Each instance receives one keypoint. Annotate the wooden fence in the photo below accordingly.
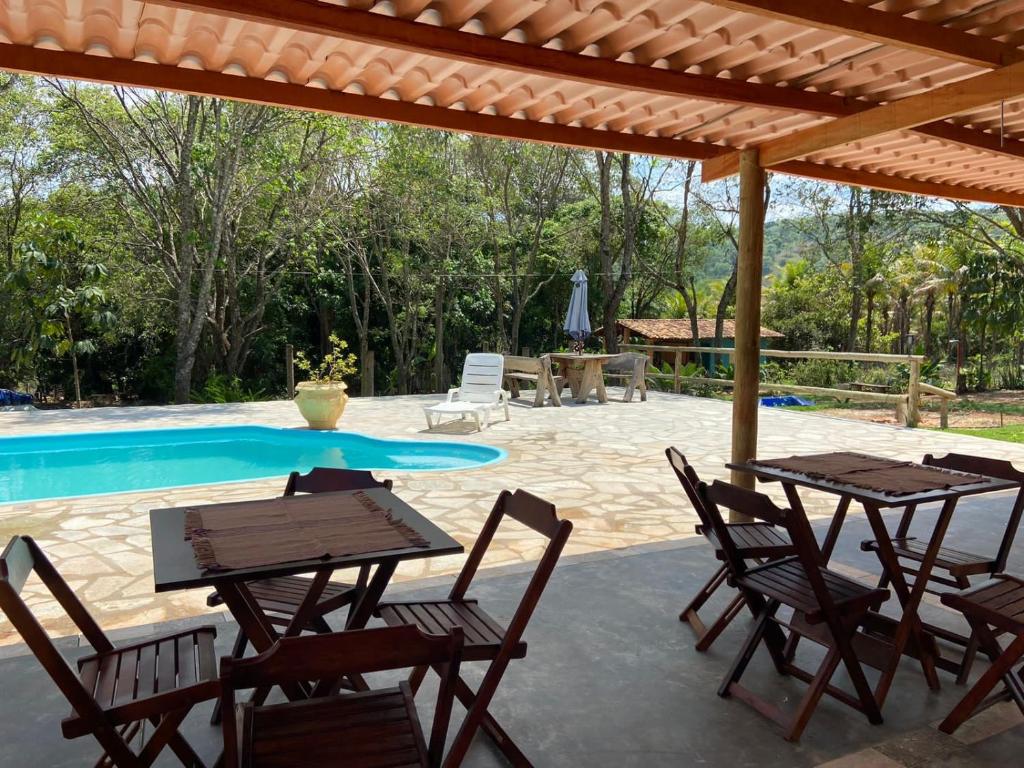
(908, 404)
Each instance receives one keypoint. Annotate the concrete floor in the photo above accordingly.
(612, 678)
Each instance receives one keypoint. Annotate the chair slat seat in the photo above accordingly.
(998, 601)
(755, 541)
(787, 581)
(285, 594)
(483, 634)
(955, 561)
(991, 607)
(375, 728)
(138, 681)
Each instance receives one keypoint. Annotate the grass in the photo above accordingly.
(1013, 433)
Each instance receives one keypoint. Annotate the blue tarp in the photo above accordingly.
(779, 402)
(10, 397)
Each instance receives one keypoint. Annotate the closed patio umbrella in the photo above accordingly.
(577, 319)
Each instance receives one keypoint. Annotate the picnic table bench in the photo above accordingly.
(537, 371)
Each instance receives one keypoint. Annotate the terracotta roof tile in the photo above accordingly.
(661, 330)
(826, 68)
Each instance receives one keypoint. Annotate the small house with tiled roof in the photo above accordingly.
(673, 332)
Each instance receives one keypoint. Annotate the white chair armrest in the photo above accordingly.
(451, 394)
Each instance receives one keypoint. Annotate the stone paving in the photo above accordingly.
(601, 464)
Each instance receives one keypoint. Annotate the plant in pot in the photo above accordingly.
(321, 398)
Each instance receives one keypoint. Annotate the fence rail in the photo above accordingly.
(908, 404)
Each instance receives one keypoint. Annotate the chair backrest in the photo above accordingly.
(688, 478)
(482, 375)
(538, 515)
(1004, 470)
(19, 559)
(519, 364)
(624, 362)
(332, 479)
(329, 657)
(758, 506)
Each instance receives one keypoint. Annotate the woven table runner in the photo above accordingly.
(873, 473)
(274, 531)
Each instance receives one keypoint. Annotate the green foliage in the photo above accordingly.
(334, 366)
(808, 306)
(220, 388)
(418, 245)
(823, 373)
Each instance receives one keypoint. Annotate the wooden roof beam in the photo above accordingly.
(847, 18)
(923, 108)
(39, 61)
(889, 183)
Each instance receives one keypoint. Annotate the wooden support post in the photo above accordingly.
(944, 413)
(678, 363)
(526, 352)
(747, 356)
(914, 394)
(289, 369)
(366, 375)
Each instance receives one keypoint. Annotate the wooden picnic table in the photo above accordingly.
(584, 373)
(907, 636)
(175, 568)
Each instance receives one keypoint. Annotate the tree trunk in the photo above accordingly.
(185, 346)
(855, 312)
(869, 322)
(74, 361)
(604, 184)
(929, 315)
(439, 328)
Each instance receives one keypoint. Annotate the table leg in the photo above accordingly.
(586, 384)
(598, 377)
(363, 610)
(834, 529)
(909, 626)
(793, 497)
(258, 628)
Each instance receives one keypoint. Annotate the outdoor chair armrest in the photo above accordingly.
(451, 394)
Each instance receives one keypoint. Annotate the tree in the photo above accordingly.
(65, 284)
(617, 253)
(186, 171)
(521, 186)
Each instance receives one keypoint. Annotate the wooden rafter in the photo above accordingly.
(929, 108)
(936, 104)
(38, 61)
(354, 24)
(848, 18)
(390, 32)
(889, 183)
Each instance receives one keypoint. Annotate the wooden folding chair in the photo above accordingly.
(280, 597)
(486, 639)
(993, 607)
(828, 609)
(958, 565)
(115, 690)
(378, 728)
(753, 541)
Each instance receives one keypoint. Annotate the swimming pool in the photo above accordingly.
(36, 467)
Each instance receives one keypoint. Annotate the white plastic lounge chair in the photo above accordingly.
(479, 394)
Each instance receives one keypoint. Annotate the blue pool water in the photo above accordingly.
(54, 466)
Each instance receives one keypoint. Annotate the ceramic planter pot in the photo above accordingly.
(321, 404)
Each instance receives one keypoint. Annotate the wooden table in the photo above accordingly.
(174, 568)
(585, 374)
(907, 635)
